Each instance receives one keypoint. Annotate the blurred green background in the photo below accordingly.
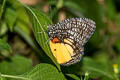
(24, 55)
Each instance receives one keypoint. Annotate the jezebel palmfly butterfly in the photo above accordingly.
(68, 37)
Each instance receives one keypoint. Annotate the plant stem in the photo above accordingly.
(11, 76)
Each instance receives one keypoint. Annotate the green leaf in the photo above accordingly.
(59, 3)
(22, 15)
(24, 31)
(4, 46)
(40, 24)
(118, 62)
(2, 78)
(15, 66)
(3, 28)
(2, 8)
(73, 76)
(45, 72)
(95, 69)
(39, 72)
(102, 57)
(20, 30)
(10, 17)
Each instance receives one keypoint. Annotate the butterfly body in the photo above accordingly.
(70, 34)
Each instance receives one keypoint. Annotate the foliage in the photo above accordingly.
(24, 47)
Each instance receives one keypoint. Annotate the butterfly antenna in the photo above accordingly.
(48, 40)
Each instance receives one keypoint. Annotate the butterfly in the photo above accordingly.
(68, 37)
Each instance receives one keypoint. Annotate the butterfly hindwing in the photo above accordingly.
(61, 52)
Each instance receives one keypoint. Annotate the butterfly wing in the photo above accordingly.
(61, 51)
(80, 29)
(73, 34)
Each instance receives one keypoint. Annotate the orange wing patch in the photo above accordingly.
(61, 51)
(55, 40)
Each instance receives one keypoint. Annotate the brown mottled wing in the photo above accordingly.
(80, 30)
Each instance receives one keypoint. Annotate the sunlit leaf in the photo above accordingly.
(22, 15)
(40, 24)
(16, 65)
(10, 17)
(95, 69)
(4, 46)
(2, 78)
(45, 72)
(3, 29)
